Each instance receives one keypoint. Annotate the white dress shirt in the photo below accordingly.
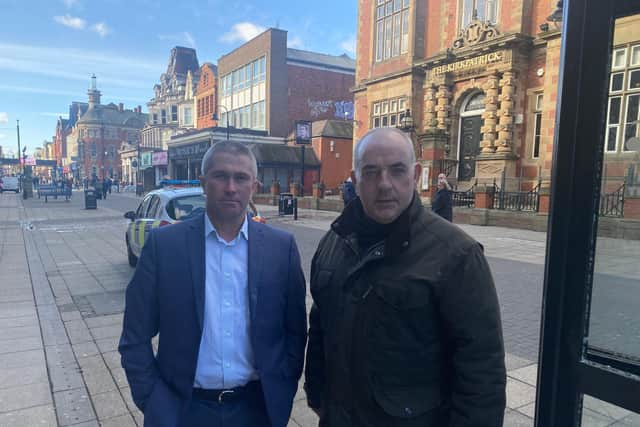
(225, 359)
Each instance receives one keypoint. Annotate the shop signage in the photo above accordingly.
(145, 160)
(196, 150)
(159, 158)
(470, 63)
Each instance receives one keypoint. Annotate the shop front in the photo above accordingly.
(184, 160)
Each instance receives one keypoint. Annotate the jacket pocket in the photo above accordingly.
(403, 295)
(408, 401)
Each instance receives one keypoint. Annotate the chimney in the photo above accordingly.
(121, 107)
(139, 109)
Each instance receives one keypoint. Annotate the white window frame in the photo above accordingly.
(537, 118)
(609, 126)
(392, 22)
(624, 59)
(467, 15)
(625, 121)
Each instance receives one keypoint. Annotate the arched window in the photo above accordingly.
(476, 102)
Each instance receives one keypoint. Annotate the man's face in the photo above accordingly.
(228, 186)
(387, 178)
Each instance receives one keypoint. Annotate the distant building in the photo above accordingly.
(207, 96)
(93, 143)
(263, 85)
(64, 128)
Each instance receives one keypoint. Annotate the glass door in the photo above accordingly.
(590, 341)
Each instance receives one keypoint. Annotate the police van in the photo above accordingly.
(159, 208)
(177, 201)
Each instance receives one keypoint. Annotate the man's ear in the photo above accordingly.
(203, 181)
(353, 177)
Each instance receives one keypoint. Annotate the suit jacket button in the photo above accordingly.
(408, 411)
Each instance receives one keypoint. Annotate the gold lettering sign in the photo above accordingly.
(466, 64)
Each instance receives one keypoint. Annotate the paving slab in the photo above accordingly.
(73, 407)
(37, 416)
(24, 396)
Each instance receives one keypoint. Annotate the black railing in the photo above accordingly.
(612, 204)
(465, 199)
(528, 201)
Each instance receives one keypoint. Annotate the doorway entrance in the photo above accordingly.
(470, 135)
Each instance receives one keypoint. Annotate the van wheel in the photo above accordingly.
(133, 260)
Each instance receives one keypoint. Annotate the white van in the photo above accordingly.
(9, 183)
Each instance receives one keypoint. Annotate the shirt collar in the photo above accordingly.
(209, 228)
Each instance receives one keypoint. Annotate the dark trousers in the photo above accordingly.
(247, 410)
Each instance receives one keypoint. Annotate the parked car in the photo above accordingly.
(10, 183)
(164, 207)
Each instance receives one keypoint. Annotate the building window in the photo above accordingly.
(623, 109)
(188, 120)
(537, 126)
(388, 113)
(163, 115)
(155, 118)
(486, 10)
(392, 28)
(174, 113)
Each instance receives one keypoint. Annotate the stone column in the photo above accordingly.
(443, 107)
(490, 115)
(505, 124)
(430, 122)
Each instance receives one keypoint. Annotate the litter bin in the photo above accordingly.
(285, 204)
(90, 200)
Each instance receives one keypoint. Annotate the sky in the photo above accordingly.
(50, 48)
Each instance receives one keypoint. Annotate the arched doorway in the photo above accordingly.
(470, 135)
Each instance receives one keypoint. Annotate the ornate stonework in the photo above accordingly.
(443, 107)
(474, 33)
(507, 103)
(430, 121)
(490, 115)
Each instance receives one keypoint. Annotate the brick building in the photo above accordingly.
(479, 80)
(63, 128)
(207, 96)
(266, 86)
(95, 139)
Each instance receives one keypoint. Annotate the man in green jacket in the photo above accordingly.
(405, 328)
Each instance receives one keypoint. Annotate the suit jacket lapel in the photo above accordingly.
(256, 254)
(196, 251)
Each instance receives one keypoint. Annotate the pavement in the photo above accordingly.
(63, 271)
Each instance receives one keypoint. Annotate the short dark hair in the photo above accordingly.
(231, 147)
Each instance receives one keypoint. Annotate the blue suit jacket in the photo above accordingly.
(166, 297)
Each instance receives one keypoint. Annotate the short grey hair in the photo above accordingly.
(364, 141)
(230, 147)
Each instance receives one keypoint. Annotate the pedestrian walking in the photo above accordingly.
(105, 187)
(441, 203)
(227, 297)
(348, 191)
(405, 326)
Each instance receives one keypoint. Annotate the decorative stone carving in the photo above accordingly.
(474, 33)
(430, 107)
(505, 129)
(490, 115)
(443, 107)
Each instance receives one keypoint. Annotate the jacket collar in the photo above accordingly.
(397, 241)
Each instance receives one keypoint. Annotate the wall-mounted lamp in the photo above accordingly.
(406, 123)
(556, 16)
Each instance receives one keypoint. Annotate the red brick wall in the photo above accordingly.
(206, 97)
(364, 39)
(313, 93)
(334, 169)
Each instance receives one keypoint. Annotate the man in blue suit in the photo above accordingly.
(226, 295)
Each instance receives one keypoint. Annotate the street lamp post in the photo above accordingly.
(216, 118)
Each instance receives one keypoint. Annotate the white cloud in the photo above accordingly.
(71, 21)
(4, 117)
(184, 38)
(242, 31)
(295, 42)
(2, 136)
(69, 3)
(78, 65)
(349, 45)
(102, 29)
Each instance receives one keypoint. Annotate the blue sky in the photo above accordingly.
(50, 48)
